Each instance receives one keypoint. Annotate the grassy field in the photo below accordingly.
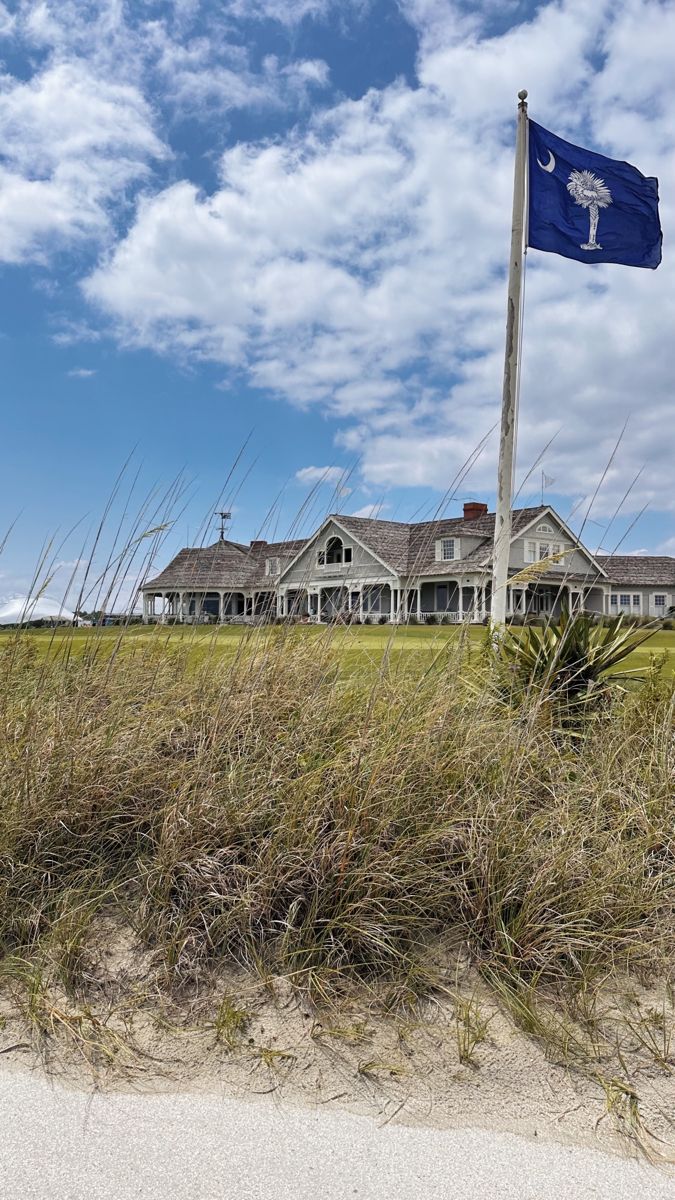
(358, 648)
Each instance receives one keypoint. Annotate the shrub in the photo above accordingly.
(569, 660)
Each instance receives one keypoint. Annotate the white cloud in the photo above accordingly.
(313, 475)
(359, 264)
(371, 510)
(71, 144)
(7, 21)
(81, 373)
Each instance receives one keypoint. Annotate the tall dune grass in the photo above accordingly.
(263, 810)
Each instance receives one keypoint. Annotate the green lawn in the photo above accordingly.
(359, 647)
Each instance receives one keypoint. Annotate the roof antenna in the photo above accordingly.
(224, 517)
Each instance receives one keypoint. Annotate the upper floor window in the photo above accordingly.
(535, 551)
(335, 552)
(448, 549)
(544, 528)
(272, 566)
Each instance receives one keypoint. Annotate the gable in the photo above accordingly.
(548, 529)
(364, 563)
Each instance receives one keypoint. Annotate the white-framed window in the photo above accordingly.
(536, 550)
(447, 549)
(659, 601)
(334, 553)
(272, 566)
(636, 601)
(614, 600)
(625, 600)
(544, 528)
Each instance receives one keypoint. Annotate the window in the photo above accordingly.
(613, 600)
(535, 551)
(272, 566)
(544, 528)
(334, 550)
(660, 601)
(625, 601)
(348, 554)
(447, 548)
(636, 601)
(321, 558)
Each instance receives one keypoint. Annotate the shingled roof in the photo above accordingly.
(643, 570)
(225, 565)
(409, 549)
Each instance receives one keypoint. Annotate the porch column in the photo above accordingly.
(146, 607)
(474, 615)
(181, 607)
(460, 600)
(419, 602)
(165, 597)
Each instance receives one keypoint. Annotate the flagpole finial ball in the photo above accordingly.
(522, 95)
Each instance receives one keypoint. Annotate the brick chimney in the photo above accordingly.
(258, 545)
(473, 510)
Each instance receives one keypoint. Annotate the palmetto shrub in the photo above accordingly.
(571, 660)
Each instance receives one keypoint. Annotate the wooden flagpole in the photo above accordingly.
(511, 385)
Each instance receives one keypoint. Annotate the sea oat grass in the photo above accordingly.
(264, 810)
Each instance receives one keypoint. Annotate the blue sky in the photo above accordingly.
(283, 225)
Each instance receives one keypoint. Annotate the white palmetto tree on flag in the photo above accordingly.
(592, 193)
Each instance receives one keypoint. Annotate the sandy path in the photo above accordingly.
(64, 1144)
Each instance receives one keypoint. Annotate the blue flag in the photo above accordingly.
(585, 206)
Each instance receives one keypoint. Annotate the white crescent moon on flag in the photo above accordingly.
(550, 165)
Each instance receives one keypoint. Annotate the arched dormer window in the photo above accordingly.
(335, 553)
(334, 550)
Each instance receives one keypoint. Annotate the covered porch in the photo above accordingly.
(207, 607)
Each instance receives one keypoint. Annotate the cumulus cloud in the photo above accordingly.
(313, 475)
(79, 135)
(71, 143)
(371, 510)
(358, 264)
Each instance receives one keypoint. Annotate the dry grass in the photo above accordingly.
(264, 811)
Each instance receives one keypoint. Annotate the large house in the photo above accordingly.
(393, 570)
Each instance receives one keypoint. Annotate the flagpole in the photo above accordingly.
(511, 385)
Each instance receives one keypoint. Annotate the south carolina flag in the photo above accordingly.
(585, 206)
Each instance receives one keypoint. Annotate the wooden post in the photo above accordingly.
(511, 382)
